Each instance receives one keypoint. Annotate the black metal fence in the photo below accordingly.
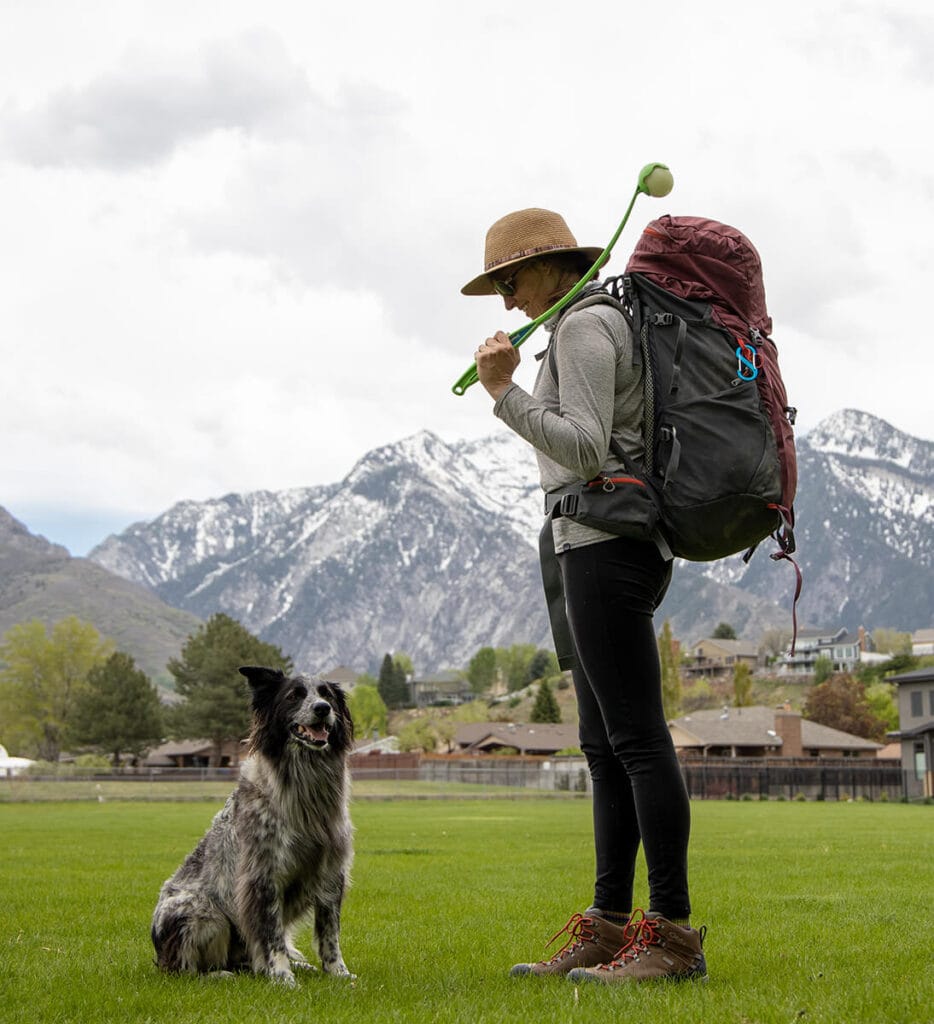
(801, 779)
(706, 779)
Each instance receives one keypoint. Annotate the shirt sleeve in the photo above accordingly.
(576, 434)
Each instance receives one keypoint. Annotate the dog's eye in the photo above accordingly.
(297, 693)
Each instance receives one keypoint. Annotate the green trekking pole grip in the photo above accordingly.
(654, 180)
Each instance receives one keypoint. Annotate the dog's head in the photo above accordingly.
(309, 713)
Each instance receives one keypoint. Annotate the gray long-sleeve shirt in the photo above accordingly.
(569, 421)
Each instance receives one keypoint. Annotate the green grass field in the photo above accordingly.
(816, 913)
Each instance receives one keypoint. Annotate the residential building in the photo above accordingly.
(343, 675)
(193, 754)
(916, 728)
(922, 642)
(716, 659)
(842, 648)
(535, 738)
(448, 686)
(763, 732)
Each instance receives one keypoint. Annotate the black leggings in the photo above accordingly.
(612, 589)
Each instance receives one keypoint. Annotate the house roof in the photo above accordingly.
(755, 727)
(445, 677)
(738, 648)
(543, 737)
(341, 674)
(923, 636)
(918, 675)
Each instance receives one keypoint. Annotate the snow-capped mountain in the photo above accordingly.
(431, 548)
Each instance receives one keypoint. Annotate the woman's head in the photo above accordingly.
(528, 253)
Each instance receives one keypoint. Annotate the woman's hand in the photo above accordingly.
(496, 359)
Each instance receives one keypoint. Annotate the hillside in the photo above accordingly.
(39, 580)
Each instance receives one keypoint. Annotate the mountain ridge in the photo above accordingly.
(431, 547)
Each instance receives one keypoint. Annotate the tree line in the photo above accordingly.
(68, 689)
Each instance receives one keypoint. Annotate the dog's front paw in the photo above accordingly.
(338, 969)
(283, 977)
(280, 971)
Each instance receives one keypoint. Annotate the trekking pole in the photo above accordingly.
(654, 180)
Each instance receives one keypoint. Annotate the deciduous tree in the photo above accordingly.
(368, 710)
(671, 673)
(724, 631)
(742, 685)
(513, 662)
(840, 702)
(44, 676)
(481, 672)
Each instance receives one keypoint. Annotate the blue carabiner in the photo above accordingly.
(746, 360)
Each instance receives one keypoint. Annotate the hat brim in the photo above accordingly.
(483, 283)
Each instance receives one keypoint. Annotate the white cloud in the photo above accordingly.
(233, 242)
(151, 103)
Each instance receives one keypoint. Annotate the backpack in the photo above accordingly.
(719, 465)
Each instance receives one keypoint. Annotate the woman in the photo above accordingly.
(611, 587)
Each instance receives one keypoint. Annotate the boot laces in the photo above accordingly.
(641, 934)
(579, 929)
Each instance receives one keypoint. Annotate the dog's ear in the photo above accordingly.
(262, 678)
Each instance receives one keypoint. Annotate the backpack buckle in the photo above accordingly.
(568, 504)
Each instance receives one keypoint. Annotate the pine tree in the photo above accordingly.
(217, 702)
(120, 712)
(545, 708)
(392, 684)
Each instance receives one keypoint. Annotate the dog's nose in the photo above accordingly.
(321, 708)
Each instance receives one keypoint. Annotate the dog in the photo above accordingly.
(278, 852)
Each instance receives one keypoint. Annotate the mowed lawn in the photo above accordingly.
(816, 913)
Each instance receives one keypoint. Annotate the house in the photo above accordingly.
(192, 754)
(763, 732)
(842, 648)
(715, 659)
(527, 738)
(916, 728)
(343, 675)
(922, 642)
(447, 686)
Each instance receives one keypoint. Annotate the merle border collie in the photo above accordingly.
(277, 852)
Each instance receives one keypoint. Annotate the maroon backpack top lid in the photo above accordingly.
(702, 259)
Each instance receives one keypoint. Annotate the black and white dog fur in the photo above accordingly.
(279, 850)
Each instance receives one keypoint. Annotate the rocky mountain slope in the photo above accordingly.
(430, 548)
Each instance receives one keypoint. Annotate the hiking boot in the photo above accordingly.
(656, 949)
(591, 940)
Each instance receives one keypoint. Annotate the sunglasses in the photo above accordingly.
(505, 286)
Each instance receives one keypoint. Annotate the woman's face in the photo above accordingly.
(534, 285)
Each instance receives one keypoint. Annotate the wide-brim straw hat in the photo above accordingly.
(521, 236)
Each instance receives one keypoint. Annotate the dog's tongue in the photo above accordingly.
(314, 733)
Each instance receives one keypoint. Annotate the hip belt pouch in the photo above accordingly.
(621, 505)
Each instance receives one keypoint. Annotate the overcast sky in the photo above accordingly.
(233, 234)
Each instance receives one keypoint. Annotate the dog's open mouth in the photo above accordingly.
(311, 735)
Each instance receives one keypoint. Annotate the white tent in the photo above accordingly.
(12, 765)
